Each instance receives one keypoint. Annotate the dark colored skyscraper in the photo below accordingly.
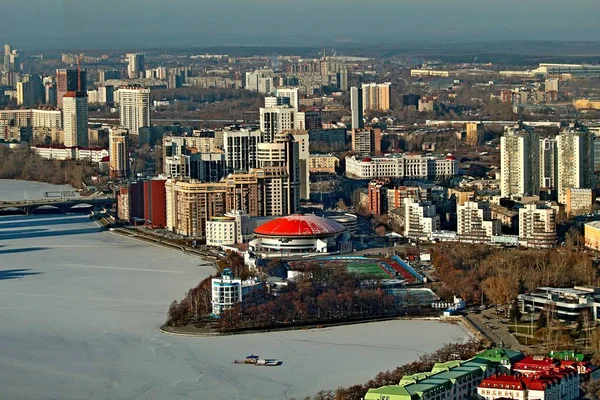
(66, 81)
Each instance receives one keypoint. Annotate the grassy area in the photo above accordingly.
(521, 329)
(370, 269)
(526, 341)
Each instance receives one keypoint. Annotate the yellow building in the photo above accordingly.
(462, 196)
(323, 163)
(587, 103)
(591, 232)
(579, 201)
(475, 133)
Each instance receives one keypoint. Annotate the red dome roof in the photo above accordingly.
(299, 225)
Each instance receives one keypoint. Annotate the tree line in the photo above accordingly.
(26, 165)
(469, 270)
(322, 293)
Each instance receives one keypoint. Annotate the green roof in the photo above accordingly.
(500, 354)
(567, 355)
(398, 392)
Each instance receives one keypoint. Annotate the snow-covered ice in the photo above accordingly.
(80, 311)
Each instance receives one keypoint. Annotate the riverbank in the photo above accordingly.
(205, 331)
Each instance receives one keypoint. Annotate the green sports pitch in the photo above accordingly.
(371, 269)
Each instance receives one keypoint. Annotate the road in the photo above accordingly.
(489, 323)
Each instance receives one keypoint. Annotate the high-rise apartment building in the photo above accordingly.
(356, 104)
(420, 219)
(291, 94)
(106, 94)
(280, 170)
(548, 164)
(537, 226)
(135, 65)
(134, 104)
(75, 116)
(118, 145)
(301, 137)
(376, 96)
(191, 203)
(276, 120)
(475, 133)
(25, 94)
(104, 75)
(240, 148)
(475, 223)
(519, 161)
(366, 142)
(68, 80)
(575, 153)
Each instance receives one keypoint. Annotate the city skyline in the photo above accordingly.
(148, 24)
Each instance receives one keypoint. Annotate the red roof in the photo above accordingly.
(299, 225)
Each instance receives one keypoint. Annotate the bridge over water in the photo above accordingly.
(62, 205)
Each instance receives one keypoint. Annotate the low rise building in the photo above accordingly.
(568, 303)
(227, 291)
(453, 380)
(94, 155)
(403, 166)
(579, 201)
(298, 234)
(591, 233)
(323, 163)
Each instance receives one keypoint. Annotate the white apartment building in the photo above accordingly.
(276, 120)
(240, 148)
(420, 219)
(135, 65)
(475, 223)
(519, 161)
(227, 291)
(291, 94)
(134, 104)
(405, 166)
(34, 118)
(537, 226)
(46, 119)
(70, 153)
(575, 154)
(75, 111)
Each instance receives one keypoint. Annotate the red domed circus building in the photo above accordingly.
(296, 235)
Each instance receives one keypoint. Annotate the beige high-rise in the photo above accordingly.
(118, 142)
(376, 96)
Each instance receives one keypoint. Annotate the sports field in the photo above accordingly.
(371, 269)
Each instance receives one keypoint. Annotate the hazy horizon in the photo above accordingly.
(117, 24)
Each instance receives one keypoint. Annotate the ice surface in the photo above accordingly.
(80, 311)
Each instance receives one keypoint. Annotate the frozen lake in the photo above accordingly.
(80, 311)
(16, 190)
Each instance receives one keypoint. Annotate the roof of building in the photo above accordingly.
(299, 225)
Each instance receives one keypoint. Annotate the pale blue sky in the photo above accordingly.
(157, 23)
